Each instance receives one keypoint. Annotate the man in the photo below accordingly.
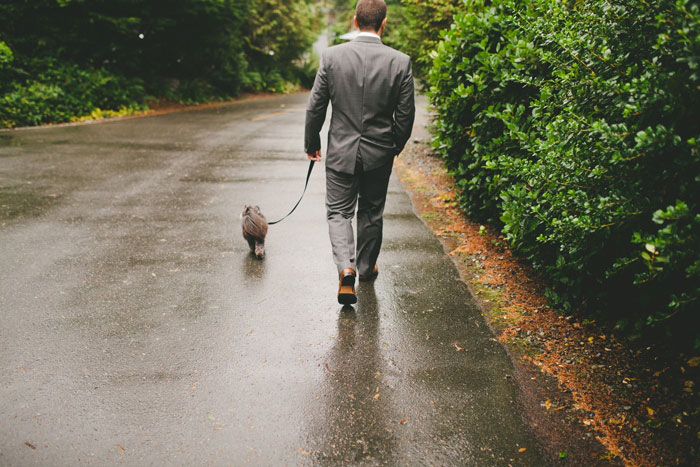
(370, 87)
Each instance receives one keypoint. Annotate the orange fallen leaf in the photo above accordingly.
(407, 419)
(30, 444)
(522, 449)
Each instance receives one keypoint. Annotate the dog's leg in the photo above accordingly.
(259, 249)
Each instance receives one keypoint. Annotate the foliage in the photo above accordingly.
(6, 55)
(578, 131)
(184, 50)
(422, 26)
(58, 92)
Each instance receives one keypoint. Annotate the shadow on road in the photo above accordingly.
(357, 420)
(253, 268)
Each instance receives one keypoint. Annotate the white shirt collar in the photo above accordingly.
(368, 34)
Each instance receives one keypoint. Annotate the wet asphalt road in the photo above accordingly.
(136, 328)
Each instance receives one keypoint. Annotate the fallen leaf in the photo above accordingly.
(30, 444)
(120, 448)
(459, 349)
(695, 361)
(651, 411)
(522, 449)
(376, 396)
(547, 404)
(407, 419)
(303, 453)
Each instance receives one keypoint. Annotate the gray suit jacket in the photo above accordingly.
(370, 87)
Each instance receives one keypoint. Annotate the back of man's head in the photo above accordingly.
(370, 14)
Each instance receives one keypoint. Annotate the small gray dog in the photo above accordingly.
(254, 226)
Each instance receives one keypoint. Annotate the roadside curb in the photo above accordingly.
(176, 108)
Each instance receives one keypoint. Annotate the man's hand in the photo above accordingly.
(316, 156)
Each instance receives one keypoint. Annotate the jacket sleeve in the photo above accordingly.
(316, 108)
(405, 112)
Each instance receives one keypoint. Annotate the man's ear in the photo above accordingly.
(354, 21)
(381, 28)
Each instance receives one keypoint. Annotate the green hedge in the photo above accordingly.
(61, 91)
(576, 126)
(421, 29)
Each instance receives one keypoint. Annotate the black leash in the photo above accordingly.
(308, 175)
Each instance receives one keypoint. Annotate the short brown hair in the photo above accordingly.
(370, 13)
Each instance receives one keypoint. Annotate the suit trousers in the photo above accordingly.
(366, 190)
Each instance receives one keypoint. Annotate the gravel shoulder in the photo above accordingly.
(591, 397)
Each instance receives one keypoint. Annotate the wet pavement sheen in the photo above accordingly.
(136, 328)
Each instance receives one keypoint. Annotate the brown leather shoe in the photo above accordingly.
(346, 287)
(372, 275)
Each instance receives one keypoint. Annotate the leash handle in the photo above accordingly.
(306, 184)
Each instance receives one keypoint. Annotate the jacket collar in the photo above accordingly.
(370, 39)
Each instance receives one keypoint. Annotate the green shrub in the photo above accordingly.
(577, 130)
(6, 58)
(6, 55)
(420, 29)
(61, 91)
